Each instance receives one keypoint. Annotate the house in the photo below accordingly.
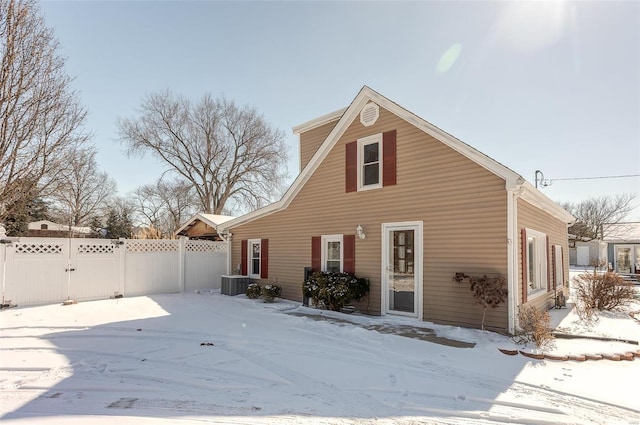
(388, 196)
(586, 253)
(46, 228)
(202, 226)
(623, 247)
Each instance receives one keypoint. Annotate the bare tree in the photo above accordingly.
(595, 217)
(40, 117)
(224, 151)
(164, 206)
(82, 191)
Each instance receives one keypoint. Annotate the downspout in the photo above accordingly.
(513, 192)
(226, 237)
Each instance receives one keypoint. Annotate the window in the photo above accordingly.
(254, 255)
(44, 227)
(535, 261)
(370, 162)
(253, 260)
(332, 255)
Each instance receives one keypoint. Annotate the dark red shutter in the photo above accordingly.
(523, 237)
(349, 254)
(243, 257)
(548, 267)
(562, 257)
(264, 258)
(555, 266)
(316, 253)
(389, 158)
(351, 167)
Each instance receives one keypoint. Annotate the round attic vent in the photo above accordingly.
(369, 114)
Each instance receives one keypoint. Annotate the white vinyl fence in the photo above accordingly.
(47, 270)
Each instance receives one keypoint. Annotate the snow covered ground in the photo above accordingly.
(210, 358)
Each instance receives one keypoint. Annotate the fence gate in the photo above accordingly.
(93, 269)
(35, 271)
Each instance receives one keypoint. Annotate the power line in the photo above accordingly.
(599, 177)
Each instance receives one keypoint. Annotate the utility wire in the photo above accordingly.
(601, 177)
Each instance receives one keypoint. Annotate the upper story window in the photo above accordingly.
(332, 253)
(370, 162)
(253, 260)
(44, 227)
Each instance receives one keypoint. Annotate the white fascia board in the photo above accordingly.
(317, 122)
(209, 219)
(186, 223)
(348, 115)
(511, 177)
(366, 94)
(540, 200)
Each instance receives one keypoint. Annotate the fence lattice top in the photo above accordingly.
(38, 248)
(150, 245)
(95, 249)
(205, 246)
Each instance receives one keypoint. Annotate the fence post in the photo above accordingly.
(122, 269)
(181, 259)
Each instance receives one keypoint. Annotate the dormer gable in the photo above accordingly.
(312, 133)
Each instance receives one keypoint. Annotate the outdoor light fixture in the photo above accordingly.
(360, 232)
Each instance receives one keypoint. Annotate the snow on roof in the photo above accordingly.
(37, 225)
(623, 232)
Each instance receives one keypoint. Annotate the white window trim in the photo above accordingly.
(331, 238)
(376, 138)
(250, 244)
(540, 270)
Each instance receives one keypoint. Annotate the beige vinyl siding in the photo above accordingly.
(311, 140)
(533, 218)
(463, 207)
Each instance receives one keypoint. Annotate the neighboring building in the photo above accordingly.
(390, 197)
(46, 228)
(202, 226)
(586, 254)
(623, 247)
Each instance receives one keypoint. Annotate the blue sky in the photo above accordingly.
(553, 86)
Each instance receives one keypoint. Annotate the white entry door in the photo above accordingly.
(402, 268)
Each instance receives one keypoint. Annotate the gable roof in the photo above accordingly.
(623, 232)
(212, 220)
(36, 225)
(348, 115)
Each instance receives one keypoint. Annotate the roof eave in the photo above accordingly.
(539, 199)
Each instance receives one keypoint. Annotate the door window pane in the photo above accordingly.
(401, 279)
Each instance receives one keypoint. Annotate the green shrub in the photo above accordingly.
(270, 293)
(334, 290)
(253, 291)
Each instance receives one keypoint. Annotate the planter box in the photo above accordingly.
(234, 285)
